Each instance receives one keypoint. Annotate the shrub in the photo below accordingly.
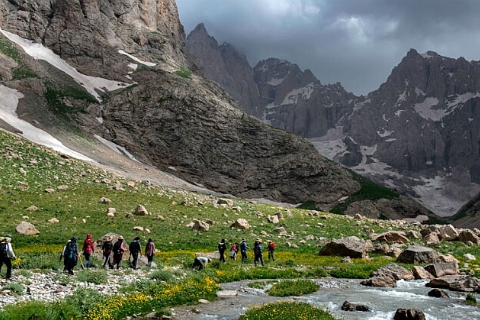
(163, 275)
(184, 73)
(84, 298)
(92, 276)
(471, 299)
(286, 310)
(293, 288)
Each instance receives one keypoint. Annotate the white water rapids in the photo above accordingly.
(383, 302)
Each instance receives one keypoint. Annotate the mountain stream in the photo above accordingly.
(383, 302)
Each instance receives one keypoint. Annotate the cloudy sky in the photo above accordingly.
(355, 42)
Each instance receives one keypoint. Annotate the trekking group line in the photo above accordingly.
(201, 262)
(112, 253)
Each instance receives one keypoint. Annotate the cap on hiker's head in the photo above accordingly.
(120, 238)
(8, 236)
(137, 238)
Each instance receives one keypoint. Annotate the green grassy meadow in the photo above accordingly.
(28, 170)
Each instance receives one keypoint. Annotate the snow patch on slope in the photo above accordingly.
(305, 92)
(424, 109)
(39, 52)
(8, 113)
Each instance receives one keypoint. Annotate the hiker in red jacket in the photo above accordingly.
(271, 249)
(88, 249)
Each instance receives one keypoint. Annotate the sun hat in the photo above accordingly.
(120, 238)
(109, 238)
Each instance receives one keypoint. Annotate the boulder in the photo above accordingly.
(111, 210)
(469, 257)
(200, 226)
(26, 228)
(441, 269)
(391, 237)
(395, 271)
(431, 238)
(105, 200)
(468, 235)
(448, 233)
(350, 246)
(462, 283)
(227, 202)
(273, 219)
(437, 293)
(53, 220)
(421, 273)
(279, 215)
(379, 282)
(137, 228)
(348, 306)
(141, 211)
(415, 254)
(409, 314)
(241, 224)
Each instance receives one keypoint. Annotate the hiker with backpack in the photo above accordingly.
(118, 250)
(258, 251)
(243, 250)
(134, 249)
(107, 248)
(201, 262)
(6, 254)
(233, 251)
(222, 246)
(88, 249)
(271, 249)
(70, 255)
(150, 252)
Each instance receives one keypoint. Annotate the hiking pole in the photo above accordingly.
(81, 262)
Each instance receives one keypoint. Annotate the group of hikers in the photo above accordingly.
(112, 252)
(201, 262)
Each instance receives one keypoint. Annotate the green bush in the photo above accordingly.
(92, 276)
(293, 288)
(163, 275)
(184, 73)
(286, 310)
(471, 299)
(84, 298)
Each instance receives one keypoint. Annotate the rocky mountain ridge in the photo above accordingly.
(158, 112)
(416, 133)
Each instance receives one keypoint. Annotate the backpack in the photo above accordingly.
(271, 246)
(69, 250)
(4, 249)
(107, 246)
(134, 247)
(243, 246)
(117, 247)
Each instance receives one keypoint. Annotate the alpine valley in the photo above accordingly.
(112, 82)
(418, 133)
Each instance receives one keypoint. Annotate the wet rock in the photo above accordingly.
(380, 282)
(227, 293)
(408, 314)
(348, 306)
(437, 293)
(464, 283)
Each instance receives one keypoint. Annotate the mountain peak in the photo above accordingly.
(200, 28)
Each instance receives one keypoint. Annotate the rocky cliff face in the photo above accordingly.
(416, 133)
(164, 115)
(226, 66)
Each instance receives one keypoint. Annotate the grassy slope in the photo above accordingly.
(22, 162)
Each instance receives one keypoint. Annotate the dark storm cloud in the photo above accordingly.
(355, 42)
